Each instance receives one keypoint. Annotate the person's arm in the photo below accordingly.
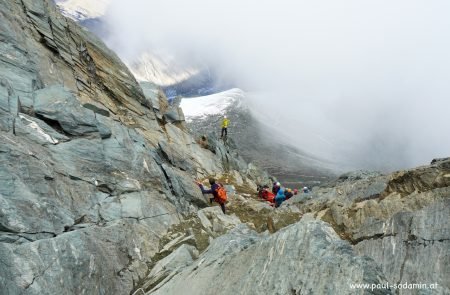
(206, 191)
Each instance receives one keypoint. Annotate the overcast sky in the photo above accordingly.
(365, 82)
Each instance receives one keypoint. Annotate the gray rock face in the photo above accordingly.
(413, 247)
(95, 260)
(305, 258)
(400, 220)
(91, 173)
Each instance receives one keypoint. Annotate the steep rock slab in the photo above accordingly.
(78, 154)
(412, 239)
(148, 208)
(305, 258)
(48, 189)
(95, 260)
(184, 191)
(181, 150)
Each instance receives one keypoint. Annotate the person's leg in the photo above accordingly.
(222, 205)
(226, 131)
(223, 130)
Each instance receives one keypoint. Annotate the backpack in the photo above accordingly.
(221, 194)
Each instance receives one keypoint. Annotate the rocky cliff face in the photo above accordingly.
(92, 171)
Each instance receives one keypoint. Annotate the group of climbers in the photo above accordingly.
(276, 197)
(281, 194)
(278, 194)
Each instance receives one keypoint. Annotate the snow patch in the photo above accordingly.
(214, 104)
(33, 125)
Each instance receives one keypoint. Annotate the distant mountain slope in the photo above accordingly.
(163, 71)
(83, 9)
(256, 141)
(192, 78)
(174, 76)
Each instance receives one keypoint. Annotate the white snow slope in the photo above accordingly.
(214, 104)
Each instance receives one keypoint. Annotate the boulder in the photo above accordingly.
(170, 265)
(214, 221)
(58, 104)
(37, 130)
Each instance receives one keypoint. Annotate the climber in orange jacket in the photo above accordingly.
(215, 190)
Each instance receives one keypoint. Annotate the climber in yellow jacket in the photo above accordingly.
(225, 123)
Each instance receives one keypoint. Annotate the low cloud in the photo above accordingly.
(360, 82)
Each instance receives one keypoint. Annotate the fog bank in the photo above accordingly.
(365, 83)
